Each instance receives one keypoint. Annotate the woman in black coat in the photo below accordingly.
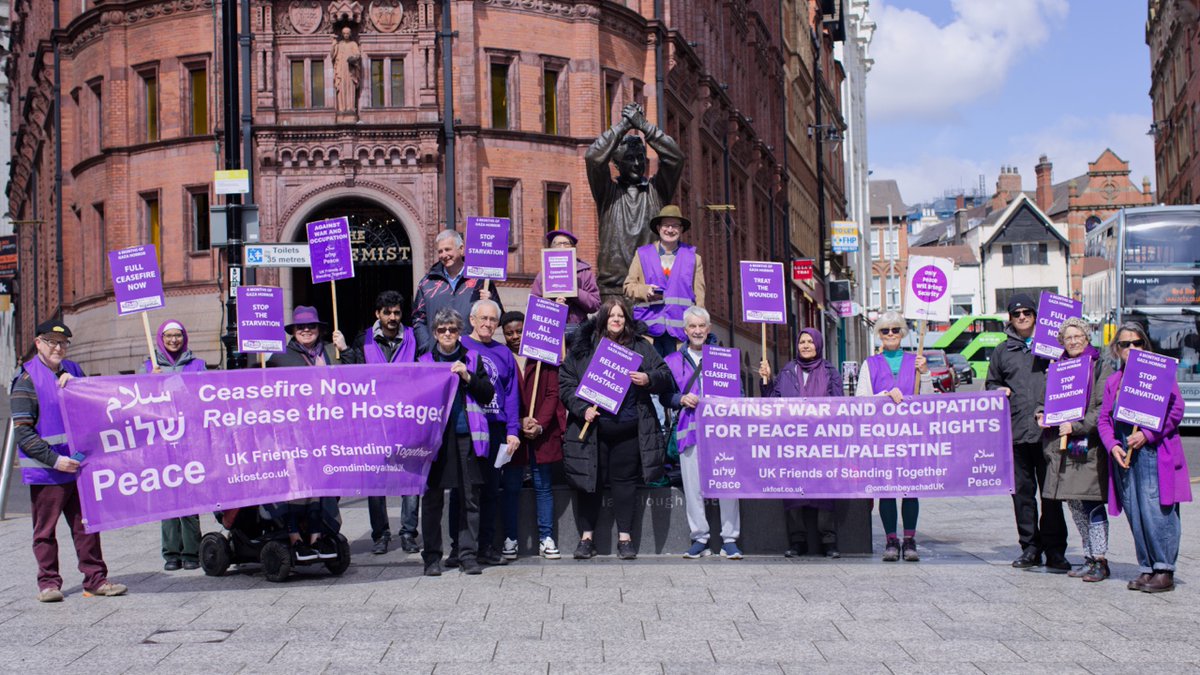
(615, 446)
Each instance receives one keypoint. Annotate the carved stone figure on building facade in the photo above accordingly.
(627, 204)
(347, 72)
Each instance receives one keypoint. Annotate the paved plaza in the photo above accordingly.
(962, 609)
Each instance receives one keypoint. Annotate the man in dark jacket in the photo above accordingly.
(1022, 377)
(446, 286)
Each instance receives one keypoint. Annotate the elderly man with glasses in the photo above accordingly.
(1022, 377)
(49, 467)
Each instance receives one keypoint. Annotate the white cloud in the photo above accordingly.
(925, 71)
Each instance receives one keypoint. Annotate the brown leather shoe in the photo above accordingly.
(1136, 584)
(1161, 582)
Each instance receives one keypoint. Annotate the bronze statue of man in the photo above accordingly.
(627, 204)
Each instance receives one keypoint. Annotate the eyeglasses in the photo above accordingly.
(1021, 313)
(444, 330)
(55, 344)
(307, 326)
(1126, 344)
(562, 243)
(487, 319)
(895, 330)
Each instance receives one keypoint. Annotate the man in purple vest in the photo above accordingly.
(665, 278)
(49, 468)
(388, 341)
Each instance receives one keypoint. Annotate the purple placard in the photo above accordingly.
(329, 250)
(485, 253)
(558, 273)
(763, 300)
(606, 379)
(949, 445)
(1052, 311)
(163, 446)
(260, 320)
(545, 325)
(1068, 388)
(1146, 389)
(720, 371)
(137, 283)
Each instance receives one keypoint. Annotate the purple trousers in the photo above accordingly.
(49, 502)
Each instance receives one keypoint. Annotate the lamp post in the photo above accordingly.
(233, 223)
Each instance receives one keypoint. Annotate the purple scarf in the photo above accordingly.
(817, 383)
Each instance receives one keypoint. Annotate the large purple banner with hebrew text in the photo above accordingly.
(163, 446)
(949, 445)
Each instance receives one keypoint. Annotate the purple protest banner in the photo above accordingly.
(763, 300)
(1145, 389)
(137, 283)
(545, 326)
(163, 446)
(329, 250)
(606, 379)
(1052, 311)
(485, 252)
(949, 445)
(1068, 387)
(260, 319)
(558, 273)
(719, 371)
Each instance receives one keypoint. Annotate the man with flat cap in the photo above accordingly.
(665, 278)
(1022, 377)
(48, 467)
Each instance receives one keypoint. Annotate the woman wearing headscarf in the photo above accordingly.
(894, 373)
(806, 375)
(1079, 474)
(180, 536)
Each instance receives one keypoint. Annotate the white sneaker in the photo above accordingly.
(549, 549)
(509, 552)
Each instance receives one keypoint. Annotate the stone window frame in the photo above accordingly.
(511, 60)
(95, 93)
(143, 71)
(144, 224)
(514, 206)
(564, 204)
(308, 60)
(389, 59)
(188, 65)
(189, 216)
(611, 92)
(559, 65)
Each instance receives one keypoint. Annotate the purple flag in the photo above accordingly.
(260, 319)
(719, 371)
(763, 299)
(558, 273)
(545, 326)
(950, 445)
(485, 252)
(329, 250)
(162, 446)
(1052, 311)
(137, 284)
(1068, 388)
(606, 379)
(1146, 389)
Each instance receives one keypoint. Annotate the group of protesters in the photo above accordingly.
(1107, 465)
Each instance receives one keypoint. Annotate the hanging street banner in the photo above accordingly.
(1052, 311)
(844, 237)
(485, 252)
(948, 445)
(720, 371)
(9, 263)
(164, 446)
(137, 283)
(1145, 393)
(545, 326)
(558, 273)
(260, 320)
(763, 300)
(329, 250)
(1068, 388)
(606, 379)
(928, 288)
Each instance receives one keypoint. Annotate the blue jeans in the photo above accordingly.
(513, 478)
(1156, 528)
(410, 512)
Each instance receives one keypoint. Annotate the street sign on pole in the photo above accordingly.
(277, 255)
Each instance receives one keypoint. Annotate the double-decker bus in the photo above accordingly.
(974, 336)
(1143, 265)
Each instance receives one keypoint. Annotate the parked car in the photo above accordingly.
(964, 369)
(944, 377)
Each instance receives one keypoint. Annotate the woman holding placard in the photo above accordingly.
(1077, 475)
(892, 373)
(621, 443)
(1149, 473)
(587, 293)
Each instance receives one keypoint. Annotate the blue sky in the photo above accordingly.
(963, 87)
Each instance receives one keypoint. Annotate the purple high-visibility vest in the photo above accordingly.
(405, 353)
(679, 293)
(681, 369)
(49, 424)
(882, 379)
(477, 422)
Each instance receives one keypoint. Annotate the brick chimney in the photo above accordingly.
(1045, 192)
(1008, 186)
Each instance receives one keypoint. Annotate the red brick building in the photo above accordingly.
(1173, 33)
(534, 83)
